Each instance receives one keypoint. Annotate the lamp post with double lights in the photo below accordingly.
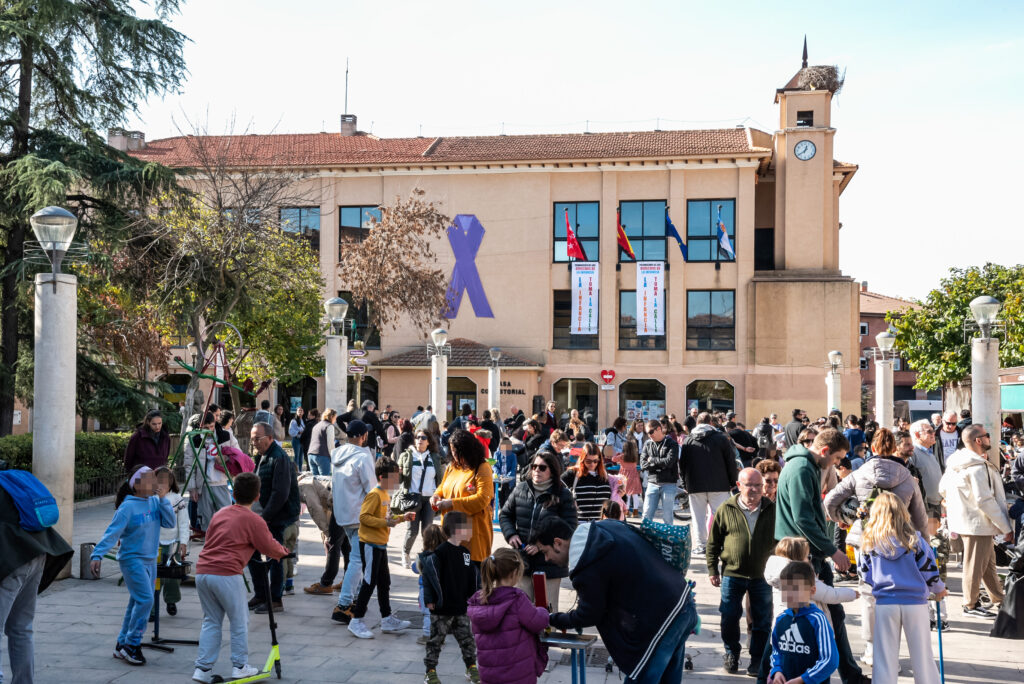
(985, 400)
(56, 316)
(494, 380)
(336, 356)
(439, 350)
(885, 359)
(833, 381)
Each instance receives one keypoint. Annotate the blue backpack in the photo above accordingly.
(37, 508)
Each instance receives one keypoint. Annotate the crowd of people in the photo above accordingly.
(779, 513)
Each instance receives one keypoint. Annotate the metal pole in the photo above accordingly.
(833, 384)
(985, 402)
(53, 434)
(335, 374)
(884, 393)
(494, 387)
(439, 385)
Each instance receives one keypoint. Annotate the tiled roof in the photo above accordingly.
(334, 149)
(874, 303)
(465, 353)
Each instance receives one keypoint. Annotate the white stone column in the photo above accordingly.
(53, 425)
(884, 393)
(833, 384)
(439, 386)
(336, 373)
(494, 388)
(985, 400)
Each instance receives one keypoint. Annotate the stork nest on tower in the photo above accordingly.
(823, 77)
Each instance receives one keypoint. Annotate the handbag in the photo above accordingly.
(411, 501)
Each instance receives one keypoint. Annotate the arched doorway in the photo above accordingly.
(579, 394)
(461, 391)
(643, 399)
(301, 393)
(710, 395)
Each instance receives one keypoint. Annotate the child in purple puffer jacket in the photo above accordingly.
(506, 624)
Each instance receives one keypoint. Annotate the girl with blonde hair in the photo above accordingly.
(899, 566)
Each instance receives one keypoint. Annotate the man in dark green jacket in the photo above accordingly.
(742, 537)
(799, 512)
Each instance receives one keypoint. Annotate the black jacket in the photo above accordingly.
(793, 429)
(616, 574)
(513, 423)
(20, 547)
(661, 460)
(371, 419)
(279, 488)
(492, 427)
(707, 461)
(522, 513)
(449, 579)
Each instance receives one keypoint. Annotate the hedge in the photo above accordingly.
(97, 454)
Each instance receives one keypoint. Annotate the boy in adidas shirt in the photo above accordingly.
(803, 644)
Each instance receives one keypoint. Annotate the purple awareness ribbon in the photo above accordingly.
(465, 237)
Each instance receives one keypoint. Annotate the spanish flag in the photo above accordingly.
(572, 246)
(621, 235)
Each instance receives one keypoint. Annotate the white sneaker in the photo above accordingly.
(405, 560)
(392, 624)
(246, 671)
(359, 629)
(202, 676)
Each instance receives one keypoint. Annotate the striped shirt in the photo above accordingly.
(590, 493)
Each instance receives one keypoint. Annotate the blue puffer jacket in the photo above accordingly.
(615, 572)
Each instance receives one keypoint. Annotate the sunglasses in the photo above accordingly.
(984, 436)
(772, 480)
(419, 437)
(539, 467)
(948, 423)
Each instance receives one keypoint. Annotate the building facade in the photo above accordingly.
(749, 332)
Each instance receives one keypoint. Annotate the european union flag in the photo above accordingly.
(671, 231)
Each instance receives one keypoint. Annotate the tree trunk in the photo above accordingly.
(13, 254)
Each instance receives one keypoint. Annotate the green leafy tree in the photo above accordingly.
(211, 266)
(931, 339)
(67, 69)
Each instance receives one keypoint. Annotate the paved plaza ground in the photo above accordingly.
(77, 622)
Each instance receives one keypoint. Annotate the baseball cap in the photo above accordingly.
(355, 428)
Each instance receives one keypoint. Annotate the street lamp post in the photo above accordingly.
(439, 350)
(833, 381)
(56, 314)
(494, 380)
(985, 403)
(885, 359)
(336, 370)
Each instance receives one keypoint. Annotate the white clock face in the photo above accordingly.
(804, 150)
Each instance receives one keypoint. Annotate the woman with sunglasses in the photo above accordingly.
(588, 481)
(421, 470)
(539, 496)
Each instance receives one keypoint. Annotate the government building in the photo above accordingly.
(745, 327)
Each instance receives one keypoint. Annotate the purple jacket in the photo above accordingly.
(506, 629)
(147, 448)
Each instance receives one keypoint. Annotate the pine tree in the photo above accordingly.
(69, 68)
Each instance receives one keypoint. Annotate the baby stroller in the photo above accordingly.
(1010, 620)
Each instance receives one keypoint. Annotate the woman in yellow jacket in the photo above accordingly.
(468, 486)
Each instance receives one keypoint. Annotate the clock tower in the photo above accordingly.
(806, 186)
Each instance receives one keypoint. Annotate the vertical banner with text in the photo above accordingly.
(650, 298)
(584, 298)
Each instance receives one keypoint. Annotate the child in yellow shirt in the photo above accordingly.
(375, 523)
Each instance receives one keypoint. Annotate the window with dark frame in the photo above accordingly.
(805, 119)
(354, 223)
(628, 339)
(644, 225)
(711, 320)
(702, 229)
(863, 363)
(357, 324)
(561, 337)
(304, 222)
(863, 328)
(584, 217)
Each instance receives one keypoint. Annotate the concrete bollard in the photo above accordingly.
(84, 558)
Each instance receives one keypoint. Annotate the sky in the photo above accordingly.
(932, 105)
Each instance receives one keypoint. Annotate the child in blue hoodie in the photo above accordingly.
(899, 566)
(136, 524)
(803, 644)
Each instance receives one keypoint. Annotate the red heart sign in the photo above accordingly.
(607, 376)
